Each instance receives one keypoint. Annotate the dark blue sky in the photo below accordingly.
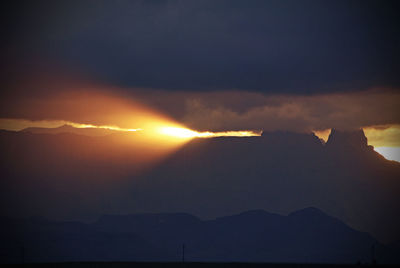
(297, 47)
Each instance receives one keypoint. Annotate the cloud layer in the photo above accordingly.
(266, 46)
(224, 110)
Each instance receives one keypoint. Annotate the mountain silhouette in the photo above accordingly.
(282, 172)
(307, 235)
(35, 240)
(76, 177)
(70, 129)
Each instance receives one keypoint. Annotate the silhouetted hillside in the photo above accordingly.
(35, 240)
(308, 235)
(69, 176)
(69, 129)
(282, 172)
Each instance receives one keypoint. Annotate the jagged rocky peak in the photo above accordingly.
(353, 138)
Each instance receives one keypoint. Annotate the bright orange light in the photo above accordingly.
(323, 134)
(78, 125)
(154, 129)
(383, 135)
(180, 132)
(19, 124)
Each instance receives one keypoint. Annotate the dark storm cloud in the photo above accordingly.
(269, 46)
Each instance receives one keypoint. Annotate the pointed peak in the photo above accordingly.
(353, 138)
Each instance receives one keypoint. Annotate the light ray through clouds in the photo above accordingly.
(78, 125)
(188, 133)
(172, 131)
(375, 135)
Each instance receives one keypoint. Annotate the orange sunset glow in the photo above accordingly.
(200, 133)
(188, 133)
(172, 130)
(383, 138)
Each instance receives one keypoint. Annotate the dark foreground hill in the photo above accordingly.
(305, 236)
(281, 172)
(66, 176)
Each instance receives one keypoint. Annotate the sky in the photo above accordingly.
(265, 46)
(208, 65)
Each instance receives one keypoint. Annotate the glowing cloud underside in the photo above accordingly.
(188, 133)
(78, 125)
(152, 129)
(177, 132)
(20, 124)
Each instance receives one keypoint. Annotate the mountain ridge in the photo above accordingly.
(241, 237)
(66, 128)
(275, 172)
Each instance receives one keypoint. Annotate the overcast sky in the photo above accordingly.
(268, 46)
(211, 65)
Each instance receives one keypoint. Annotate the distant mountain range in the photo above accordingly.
(304, 236)
(70, 129)
(71, 176)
